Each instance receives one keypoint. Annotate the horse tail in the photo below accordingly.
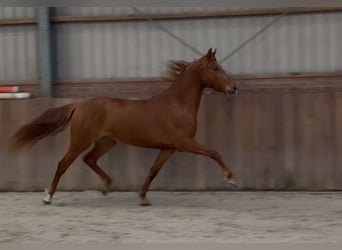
(51, 122)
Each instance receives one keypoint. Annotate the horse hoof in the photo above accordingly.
(145, 204)
(107, 186)
(232, 184)
(48, 197)
(46, 202)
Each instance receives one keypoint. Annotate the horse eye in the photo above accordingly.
(216, 68)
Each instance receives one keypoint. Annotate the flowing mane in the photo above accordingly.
(175, 69)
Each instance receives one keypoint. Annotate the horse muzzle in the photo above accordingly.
(232, 91)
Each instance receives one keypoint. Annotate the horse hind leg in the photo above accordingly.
(78, 144)
(63, 165)
(101, 147)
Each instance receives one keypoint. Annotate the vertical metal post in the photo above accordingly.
(45, 51)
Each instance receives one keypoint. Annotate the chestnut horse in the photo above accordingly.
(166, 121)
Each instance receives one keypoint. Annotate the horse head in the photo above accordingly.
(213, 75)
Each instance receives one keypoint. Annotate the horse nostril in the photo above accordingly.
(231, 91)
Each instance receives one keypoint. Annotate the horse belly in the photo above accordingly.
(145, 138)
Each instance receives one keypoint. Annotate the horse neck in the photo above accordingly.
(187, 90)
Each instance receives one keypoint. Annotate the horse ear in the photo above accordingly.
(214, 52)
(209, 53)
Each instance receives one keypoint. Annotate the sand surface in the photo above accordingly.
(237, 217)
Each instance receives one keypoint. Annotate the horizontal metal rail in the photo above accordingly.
(170, 16)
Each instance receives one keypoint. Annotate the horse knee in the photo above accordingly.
(216, 156)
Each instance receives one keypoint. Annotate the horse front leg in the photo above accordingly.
(162, 157)
(196, 148)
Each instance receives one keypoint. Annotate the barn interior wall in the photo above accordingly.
(279, 133)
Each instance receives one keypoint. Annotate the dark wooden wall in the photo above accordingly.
(282, 133)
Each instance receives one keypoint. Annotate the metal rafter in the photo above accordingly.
(159, 26)
(262, 30)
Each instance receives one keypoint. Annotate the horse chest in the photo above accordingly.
(184, 122)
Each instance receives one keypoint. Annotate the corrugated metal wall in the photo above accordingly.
(18, 46)
(18, 53)
(17, 12)
(298, 43)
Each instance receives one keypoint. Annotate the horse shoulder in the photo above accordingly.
(184, 121)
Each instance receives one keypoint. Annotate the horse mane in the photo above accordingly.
(175, 69)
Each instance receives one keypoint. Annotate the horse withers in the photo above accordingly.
(167, 121)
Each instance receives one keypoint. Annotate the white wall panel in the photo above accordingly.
(17, 12)
(18, 53)
(297, 43)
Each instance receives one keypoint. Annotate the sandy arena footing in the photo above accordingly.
(236, 217)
